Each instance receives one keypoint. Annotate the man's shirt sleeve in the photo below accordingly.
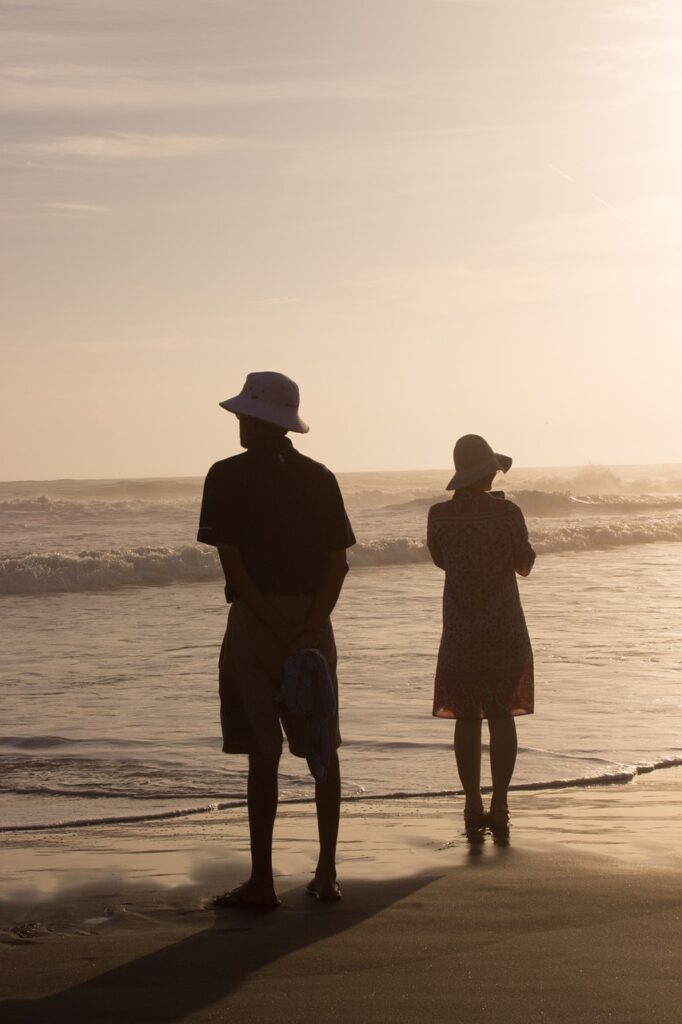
(338, 532)
(218, 520)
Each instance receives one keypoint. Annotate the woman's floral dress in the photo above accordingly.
(485, 660)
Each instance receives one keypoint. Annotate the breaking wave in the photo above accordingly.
(44, 505)
(559, 503)
(39, 573)
(533, 503)
(546, 539)
(106, 570)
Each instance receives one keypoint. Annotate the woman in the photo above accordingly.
(485, 660)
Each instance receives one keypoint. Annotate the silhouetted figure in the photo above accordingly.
(278, 521)
(485, 660)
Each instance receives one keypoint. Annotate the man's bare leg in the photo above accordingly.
(328, 806)
(262, 794)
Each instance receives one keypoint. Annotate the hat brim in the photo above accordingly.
(464, 478)
(258, 410)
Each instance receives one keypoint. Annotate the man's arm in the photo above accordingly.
(322, 606)
(325, 599)
(237, 577)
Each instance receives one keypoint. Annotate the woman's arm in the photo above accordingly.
(433, 545)
(524, 555)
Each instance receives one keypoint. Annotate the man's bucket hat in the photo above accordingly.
(474, 460)
(270, 397)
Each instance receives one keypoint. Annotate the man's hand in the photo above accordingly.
(307, 638)
(317, 621)
(284, 632)
(238, 577)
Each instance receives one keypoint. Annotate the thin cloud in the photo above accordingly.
(124, 146)
(456, 130)
(645, 12)
(71, 88)
(603, 250)
(75, 208)
(644, 236)
(653, 63)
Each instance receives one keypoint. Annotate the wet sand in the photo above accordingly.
(578, 919)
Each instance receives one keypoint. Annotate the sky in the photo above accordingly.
(437, 216)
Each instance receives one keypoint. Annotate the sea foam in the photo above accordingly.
(149, 566)
(35, 573)
(617, 775)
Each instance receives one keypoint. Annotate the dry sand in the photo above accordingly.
(578, 920)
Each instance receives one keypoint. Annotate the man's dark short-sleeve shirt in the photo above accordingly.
(281, 509)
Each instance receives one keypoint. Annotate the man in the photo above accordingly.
(278, 521)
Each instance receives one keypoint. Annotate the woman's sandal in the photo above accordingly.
(498, 823)
(474, 826)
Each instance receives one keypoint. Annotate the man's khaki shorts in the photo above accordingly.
(250, 674)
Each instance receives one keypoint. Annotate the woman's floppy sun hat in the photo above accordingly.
(270, 397)
(474, 460)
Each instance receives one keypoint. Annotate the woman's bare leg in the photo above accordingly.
(468, 758)
(503, 747)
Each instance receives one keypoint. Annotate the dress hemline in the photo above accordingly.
(449, 715)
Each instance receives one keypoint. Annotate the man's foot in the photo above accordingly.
(324, 890)
(248, 896)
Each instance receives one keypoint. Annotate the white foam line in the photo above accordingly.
(607, 779)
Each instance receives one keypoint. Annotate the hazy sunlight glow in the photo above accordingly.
(437, 217)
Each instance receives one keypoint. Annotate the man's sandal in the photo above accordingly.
(323, 896)
(235, 898)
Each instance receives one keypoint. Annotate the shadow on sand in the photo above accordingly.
(203, 968)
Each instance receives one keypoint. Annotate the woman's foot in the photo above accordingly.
(475, 825)
(497, 820)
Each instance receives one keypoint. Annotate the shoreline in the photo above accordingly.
(576, 919)
(627, 775)
(632, 820)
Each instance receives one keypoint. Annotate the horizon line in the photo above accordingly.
(346, 472)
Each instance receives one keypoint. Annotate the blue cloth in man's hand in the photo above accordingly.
(307, 691)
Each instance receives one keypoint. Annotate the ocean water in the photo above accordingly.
(113, 618)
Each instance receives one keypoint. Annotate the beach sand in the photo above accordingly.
(577, 920)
